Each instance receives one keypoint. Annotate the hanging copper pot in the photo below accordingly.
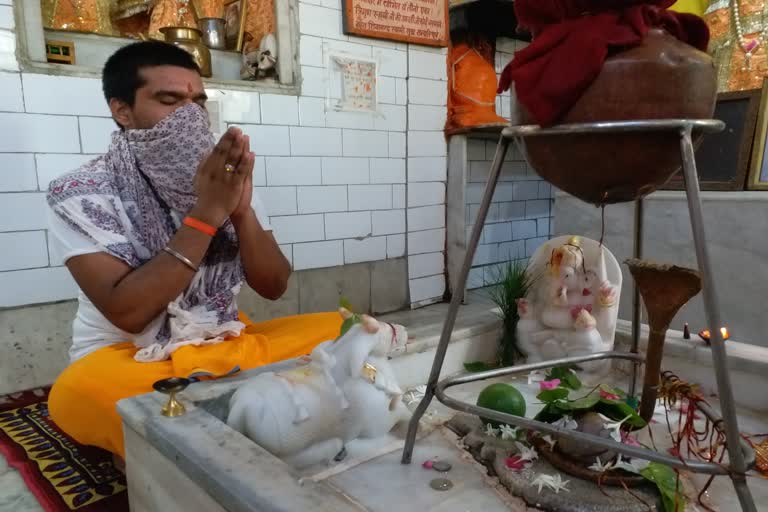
(190, 39)
(662, 78)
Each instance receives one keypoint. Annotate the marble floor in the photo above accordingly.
(14, 495)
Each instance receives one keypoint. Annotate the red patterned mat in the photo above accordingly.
(61, 473)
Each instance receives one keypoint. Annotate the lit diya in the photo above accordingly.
(704, 334)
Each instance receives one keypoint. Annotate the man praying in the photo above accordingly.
(160, 233)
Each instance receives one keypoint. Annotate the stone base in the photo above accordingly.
(582, 495)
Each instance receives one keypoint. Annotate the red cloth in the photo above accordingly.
(572, 39)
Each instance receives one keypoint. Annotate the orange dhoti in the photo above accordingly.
(84, 398)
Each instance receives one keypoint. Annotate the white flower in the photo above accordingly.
(556, 483)
(614, 427)
(551, 442)
(567, 423)
(535, 377)
(600, 467)
(490, 431)
(526, 453)
(414, 395)
(632, 465)
(508, 432)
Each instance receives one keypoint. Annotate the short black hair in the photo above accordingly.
(120, 78)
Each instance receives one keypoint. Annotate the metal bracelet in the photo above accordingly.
(181, 258)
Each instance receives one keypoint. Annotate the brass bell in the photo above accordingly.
(173, 408)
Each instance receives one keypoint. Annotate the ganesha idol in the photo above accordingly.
(572, 304)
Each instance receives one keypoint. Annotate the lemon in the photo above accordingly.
(503, 398)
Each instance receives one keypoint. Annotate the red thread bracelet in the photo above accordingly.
(200, 226)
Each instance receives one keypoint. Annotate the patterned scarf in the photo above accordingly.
(131, 201)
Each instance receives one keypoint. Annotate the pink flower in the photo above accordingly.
(515, 463)
(609, 396)
(427, 464)
(549, 384)
(626, 438)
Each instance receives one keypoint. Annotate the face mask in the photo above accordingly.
(169, 153)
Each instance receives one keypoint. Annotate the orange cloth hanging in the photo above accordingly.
(471, 89)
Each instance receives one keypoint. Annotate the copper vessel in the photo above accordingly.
(190, 39)
(662, 78)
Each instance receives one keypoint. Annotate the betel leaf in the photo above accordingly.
(550, 413)
(584, 403)
(347, 324)
(477, 366)
(613, 391)
(572, 381)
(344, 303)
(550, 395)
(617, 411)
(666, 480)
(567, 376)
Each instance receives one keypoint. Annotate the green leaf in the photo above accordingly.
(550, 395)
(585, 402)
(666, 480)
(344, 303)
(614, 391)
(477, 366)
(632, 401)
(572, 381)
(566, 375)
(618, 411)
(347, 324)
(550, 413)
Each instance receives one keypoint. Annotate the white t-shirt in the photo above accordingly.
(91, 330)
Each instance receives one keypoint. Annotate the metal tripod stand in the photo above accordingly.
(741, 456)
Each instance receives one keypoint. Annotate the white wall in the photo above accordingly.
(519, 218)
(734, 223)
(340, 187)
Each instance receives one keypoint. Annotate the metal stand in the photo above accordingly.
(741, 456)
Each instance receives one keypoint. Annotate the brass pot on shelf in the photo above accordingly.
(190, 39)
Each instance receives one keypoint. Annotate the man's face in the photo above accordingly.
(165, 89)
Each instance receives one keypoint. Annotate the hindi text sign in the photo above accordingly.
(410, 21)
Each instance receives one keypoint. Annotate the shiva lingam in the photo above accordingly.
(173, 408)
(664, 289)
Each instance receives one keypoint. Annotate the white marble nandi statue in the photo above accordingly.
(344, 390)
(572, 306)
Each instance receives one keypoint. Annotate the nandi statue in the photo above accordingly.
(573, 302)
(343, 390)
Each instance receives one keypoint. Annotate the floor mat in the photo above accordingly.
(61, 473)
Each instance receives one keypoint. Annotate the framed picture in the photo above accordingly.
(723, 159)
(234, 18)
(758, 167)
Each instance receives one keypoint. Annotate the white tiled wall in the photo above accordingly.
(427, 164)
(519, 218)
(340, 187)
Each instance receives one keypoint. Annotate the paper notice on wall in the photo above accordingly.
(358, 84)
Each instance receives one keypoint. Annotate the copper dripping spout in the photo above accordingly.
(665, 289)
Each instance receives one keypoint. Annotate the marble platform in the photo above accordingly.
(197, 463)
